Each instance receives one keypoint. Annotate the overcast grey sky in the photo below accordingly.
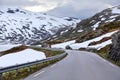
(61, 8)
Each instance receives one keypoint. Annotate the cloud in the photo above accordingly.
(40, 8)
(33, 5)
(19, 3)
(70, 11)
(82, 8)
(74, 8)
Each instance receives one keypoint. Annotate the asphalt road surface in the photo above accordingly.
(78, 65)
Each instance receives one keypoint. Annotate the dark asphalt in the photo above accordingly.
(79, 65)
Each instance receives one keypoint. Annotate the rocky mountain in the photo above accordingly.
(95, 26)
(104, 17)
(19, 26)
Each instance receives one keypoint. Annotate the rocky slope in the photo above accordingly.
(19, 26)
(95, 26)
(101, 18)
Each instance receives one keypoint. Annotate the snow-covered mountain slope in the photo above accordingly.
(25, 27)
(85, 44)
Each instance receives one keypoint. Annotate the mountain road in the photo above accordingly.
(78, 65)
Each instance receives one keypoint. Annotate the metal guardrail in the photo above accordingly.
(16, 67)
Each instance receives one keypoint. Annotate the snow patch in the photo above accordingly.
(80, 31)
(86, 43)
(64, 31)
(113, 16)
(103, 19)
(21, 57)
(63, 45)
(116, 10)
(95, 26)
(7, 47)
(111, 20)
(103, 44)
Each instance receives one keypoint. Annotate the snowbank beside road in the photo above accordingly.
(24, 56)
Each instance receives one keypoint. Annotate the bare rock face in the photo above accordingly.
(114, 53)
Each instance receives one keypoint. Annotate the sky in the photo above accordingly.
(63, 8)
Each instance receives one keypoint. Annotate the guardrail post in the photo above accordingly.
(0, 76)
(17, 71)
(36, 67)
(28, 69)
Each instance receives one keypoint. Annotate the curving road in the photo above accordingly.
(79, 65)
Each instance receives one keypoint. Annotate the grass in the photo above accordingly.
(22, 72)
(103, 52)
(100, 41)
(110, 26)
(49, 53)
(13, 50)
(54, 42)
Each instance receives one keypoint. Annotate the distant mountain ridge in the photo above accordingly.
(105, 16)
(19, 26)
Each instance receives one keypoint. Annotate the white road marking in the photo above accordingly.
(39, 73)
(53, 65)
(43, 71)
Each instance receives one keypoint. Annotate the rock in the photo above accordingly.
(114, 52)
(68, 47)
